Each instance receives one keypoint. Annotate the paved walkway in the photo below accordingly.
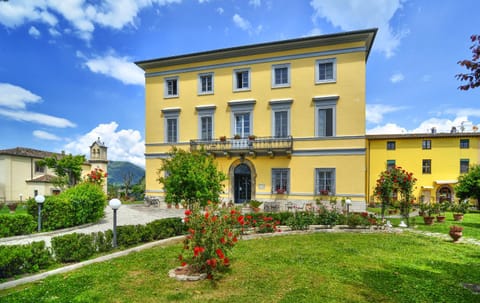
(131, 214)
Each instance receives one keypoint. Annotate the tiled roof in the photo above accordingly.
(43, 179)
(28, 152)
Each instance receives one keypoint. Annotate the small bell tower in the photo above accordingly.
(98, 158)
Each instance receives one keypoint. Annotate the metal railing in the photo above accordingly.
(265, 145)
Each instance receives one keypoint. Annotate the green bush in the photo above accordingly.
(103, 241)
(13, 225)
(84, 203)
(301, 220)
(327, 217)
(20, 259)
(73, 247)
(166, 228)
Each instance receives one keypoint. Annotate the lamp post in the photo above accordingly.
(115, 204)
(348, 202)
(39, 199)
(21, 197)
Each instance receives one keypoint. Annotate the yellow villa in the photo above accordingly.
(284, 120)
(435, 159)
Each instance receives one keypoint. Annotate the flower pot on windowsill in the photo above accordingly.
(251, 137)
(223, 138)
(236, 137)
(280, 191)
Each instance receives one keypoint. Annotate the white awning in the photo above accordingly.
(446, 181)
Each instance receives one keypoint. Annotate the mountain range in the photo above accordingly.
(117, 170)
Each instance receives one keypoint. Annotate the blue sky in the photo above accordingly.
(67, 74)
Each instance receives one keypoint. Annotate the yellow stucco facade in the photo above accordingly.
(435, 159)
(302, 99)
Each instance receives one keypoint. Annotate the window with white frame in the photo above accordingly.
(325, 116)
(325, 71)
(171, 87)
(280, 180)
(205, 83)
(171, 116)
(325, 180)
(241, 117)
(241, 79)
(205, 121)
(281, 75)
(281, 117)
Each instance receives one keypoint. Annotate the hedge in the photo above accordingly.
(21, 259)
(18, 224)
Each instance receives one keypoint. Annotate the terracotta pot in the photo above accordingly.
(428, 220)
(455, 235)
(457, 217)
(12, 207)
(440, 219)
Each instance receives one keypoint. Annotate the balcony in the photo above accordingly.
(258, 146)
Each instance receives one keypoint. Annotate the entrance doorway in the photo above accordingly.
(444, 194)
(242, 180)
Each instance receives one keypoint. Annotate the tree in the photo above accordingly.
(468, 185)
(473, 76)
(127, 182)
(190, 177)
(68, 168)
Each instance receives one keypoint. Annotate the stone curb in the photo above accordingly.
(68, 268)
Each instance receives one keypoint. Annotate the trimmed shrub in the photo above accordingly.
(20, 259)
(166, 228)
(103, 241)
(301, 220)
(84, 203)
(327, 217)
(73, 247)
(13, 225)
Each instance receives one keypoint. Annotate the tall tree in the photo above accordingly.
(127, 182)
(473, 76)
(68, 168)
(468, 185)
(191, 177)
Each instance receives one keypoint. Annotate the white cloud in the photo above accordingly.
(45, 135)
(34, 32)
(82, 15)
(123, 145)
(241, 23)
(16, 97)
(120, 68)
(255, 3)
(359, 14)
(53, 32)
(389, 128)
(27, 116)
(398, 77)
(246, 25)
(220, 11)
(375, 112)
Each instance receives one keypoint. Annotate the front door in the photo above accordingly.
(242, 183)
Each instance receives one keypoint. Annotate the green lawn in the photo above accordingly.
(320, 267)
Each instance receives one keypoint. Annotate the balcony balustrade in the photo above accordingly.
(252, 146)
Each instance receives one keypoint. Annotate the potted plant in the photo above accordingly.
(251, 137)
(440, 209)
(428, 211)
(12, 206)
(455, 232)
(255, 205)
(223, 138)
(459, 209)
(236, 136)
(280, 191)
